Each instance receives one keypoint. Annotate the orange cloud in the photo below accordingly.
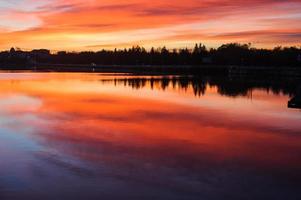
(82, 25)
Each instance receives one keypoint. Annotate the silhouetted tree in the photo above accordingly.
(227, 54)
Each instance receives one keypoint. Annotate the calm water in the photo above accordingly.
(95, 136)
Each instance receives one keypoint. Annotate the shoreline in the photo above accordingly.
(225, 70)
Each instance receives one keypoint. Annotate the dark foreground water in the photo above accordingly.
(93, 136)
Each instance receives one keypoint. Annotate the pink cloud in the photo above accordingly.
(90, 22)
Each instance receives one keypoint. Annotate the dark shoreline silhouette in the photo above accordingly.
(138, 59)
(228, 62)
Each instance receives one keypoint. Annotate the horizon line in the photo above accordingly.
(190, 47)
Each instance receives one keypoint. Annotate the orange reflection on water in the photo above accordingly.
(78, 110)
(80, 126)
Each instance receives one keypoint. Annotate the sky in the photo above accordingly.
(107, 24)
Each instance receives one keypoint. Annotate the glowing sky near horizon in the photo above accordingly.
(98, 24)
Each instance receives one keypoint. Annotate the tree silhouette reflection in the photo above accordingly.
(225, 86)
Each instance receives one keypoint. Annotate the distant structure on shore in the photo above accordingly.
(299, 58)
(295, 102)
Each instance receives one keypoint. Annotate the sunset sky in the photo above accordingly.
(97, 24)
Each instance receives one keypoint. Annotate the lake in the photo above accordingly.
(119, 136)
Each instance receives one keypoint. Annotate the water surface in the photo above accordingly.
(98, 136)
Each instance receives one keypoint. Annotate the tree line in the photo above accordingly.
(227, 54)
